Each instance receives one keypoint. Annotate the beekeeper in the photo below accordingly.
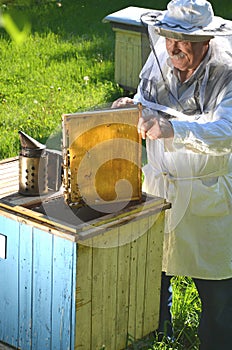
(186, 87)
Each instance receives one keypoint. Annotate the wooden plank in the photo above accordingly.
(117, 64)
(66, 234)
(83, 324)
(145, 48)
(25, 286)
(73, 300)
(127, 50)
(40, 218)
(12, 171)
(42, 290)
(91, 228)
(137, 61)
(128, 54)
(9, 175)
(142, 246)
(123, 287)
(62, 293)
(4, 346)
(9, 278)
(7, 166)
(8, 190)
(97, 299)
(153, 272)
(9, 170)
(110, 287)
(9, 160)
(8, 180)
(137, 271)
(132, 285)
(41, 310)
(104, 291)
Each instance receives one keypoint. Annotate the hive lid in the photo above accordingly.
(129, 16)
(102, 156)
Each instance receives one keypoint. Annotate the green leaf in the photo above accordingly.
(11, 28)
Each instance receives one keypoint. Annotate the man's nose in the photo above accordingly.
(173, 47)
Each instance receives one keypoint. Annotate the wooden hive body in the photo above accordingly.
(76, 273)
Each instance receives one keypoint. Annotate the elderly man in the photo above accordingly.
(186, 87)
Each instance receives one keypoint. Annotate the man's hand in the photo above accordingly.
(155, 127)
(122, 102)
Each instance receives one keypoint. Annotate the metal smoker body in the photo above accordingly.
(33, 162)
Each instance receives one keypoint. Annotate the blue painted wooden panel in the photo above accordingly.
(41, 290)
(9, 293)
(25, 286)
(37, 288)
(62, 294)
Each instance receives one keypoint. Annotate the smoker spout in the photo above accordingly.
(29, 143)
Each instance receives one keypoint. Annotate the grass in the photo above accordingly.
(54, 76)
(66, 65)
(50, 74)
(186, 310)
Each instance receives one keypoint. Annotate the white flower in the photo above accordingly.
(86, 79)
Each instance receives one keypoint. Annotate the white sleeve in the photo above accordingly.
(212, 136)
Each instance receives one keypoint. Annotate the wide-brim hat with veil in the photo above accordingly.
(188, 20)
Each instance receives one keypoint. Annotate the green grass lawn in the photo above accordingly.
(66, 65)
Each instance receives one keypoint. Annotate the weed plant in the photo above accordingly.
(186, 310)
(66, 65)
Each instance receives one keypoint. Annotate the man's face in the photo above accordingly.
(186, 55)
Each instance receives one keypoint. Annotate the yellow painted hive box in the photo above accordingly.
(132, 46)
(85, 260)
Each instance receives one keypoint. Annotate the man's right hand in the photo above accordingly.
(122, 102)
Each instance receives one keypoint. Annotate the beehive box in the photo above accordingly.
(131, 45)
(102, 156)
(74, 275)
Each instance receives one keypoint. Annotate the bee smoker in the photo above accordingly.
(33, 162)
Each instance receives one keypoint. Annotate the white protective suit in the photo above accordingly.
(194, 170)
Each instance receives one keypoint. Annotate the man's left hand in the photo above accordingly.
(155, 128)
